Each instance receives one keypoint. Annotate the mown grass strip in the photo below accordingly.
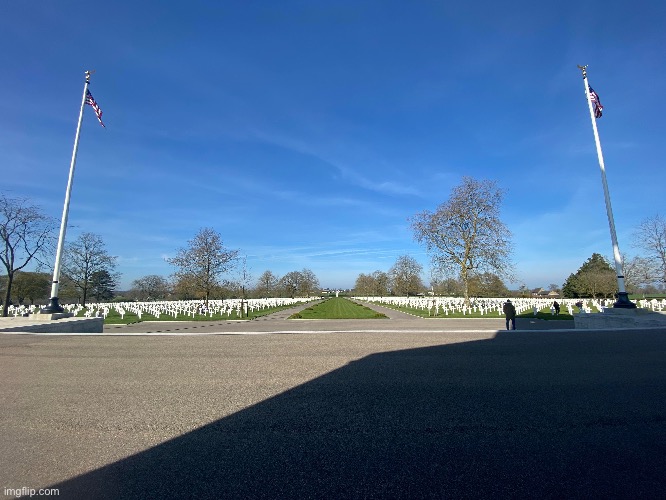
(338, 308)
(546, 315)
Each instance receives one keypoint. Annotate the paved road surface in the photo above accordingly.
(405, 413)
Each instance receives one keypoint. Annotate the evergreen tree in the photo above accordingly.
(595, 278)
(102, 284)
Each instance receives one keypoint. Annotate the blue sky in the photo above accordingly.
(307, 133)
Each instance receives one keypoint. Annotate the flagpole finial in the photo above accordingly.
(88, 74)
(583, 69)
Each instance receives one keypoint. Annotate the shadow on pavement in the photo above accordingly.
(522, 415)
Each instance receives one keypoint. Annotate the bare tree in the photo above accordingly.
(381, 283)
(67, 291)
(203, 261)
(299, 283)
(85, 257)
(465, 235)
(364, 285)
(651, 238)
(289, 283)
(185, 288)
(151, 287)
(405, 276)
(488, 285)
(639, 273)
(243, 279)
(309, 284)
(375, 284)
(267, 284)
(451, 287)
(25, 234)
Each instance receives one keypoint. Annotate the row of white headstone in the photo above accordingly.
(193, 308)
(174, 308)
(443, 306)
(652, 304)
(437, 306)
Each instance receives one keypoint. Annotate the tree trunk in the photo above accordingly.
(8, 293)
(463, 276)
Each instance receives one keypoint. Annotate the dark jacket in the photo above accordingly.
(509, 310)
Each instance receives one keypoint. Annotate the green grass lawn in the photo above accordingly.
(337, 308)
(113, 318)
(545, 314)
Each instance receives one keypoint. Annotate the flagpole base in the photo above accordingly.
(53, 307)
(623, 301)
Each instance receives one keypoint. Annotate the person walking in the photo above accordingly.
(556, 305)
(510, 314)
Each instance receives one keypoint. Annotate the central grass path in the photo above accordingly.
(337, 308)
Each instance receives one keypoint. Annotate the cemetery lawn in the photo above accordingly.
(546, 315)
(113, 318)
(338, 308)
(543, 314)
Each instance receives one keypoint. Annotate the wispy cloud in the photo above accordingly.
(349, 168)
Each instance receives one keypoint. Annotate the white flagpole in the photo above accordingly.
(623, 297)
(54, 306)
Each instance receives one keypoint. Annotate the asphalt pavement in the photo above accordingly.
(407, 411)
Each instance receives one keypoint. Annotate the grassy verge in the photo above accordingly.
(113, 318)
(337, 308)
(545, 315)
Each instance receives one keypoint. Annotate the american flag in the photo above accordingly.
(91, 100)
(596, 103)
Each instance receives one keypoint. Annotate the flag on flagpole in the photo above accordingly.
(596, 103)
(91, 100)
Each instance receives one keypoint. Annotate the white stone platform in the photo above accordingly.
(620, 318)
(44, 323)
